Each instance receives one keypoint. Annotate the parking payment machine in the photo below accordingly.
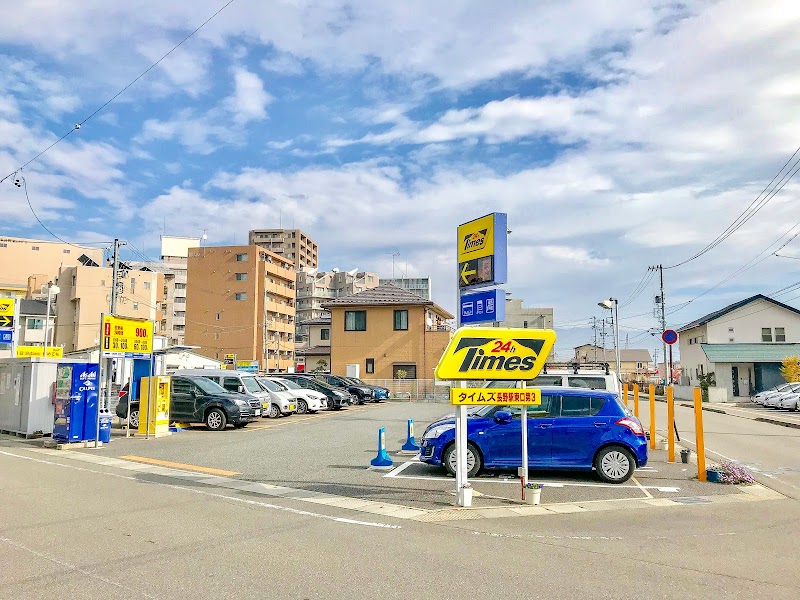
(154, 395)
(75, 401)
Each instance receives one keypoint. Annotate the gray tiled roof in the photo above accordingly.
(384, 294)
(313, 351)
(731, 307)
(36, 307)
(321, 320)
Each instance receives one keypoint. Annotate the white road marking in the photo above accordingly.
(641, 487)
(295, 511)
(400, 469)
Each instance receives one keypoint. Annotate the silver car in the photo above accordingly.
(774, 400)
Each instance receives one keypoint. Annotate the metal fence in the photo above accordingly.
(418, 390)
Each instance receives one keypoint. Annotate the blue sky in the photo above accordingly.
(615, 135)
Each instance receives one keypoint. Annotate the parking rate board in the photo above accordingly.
(128, 338)
(482, 251)
(492, 353)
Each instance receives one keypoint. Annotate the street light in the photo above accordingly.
(612, 304)
(51, 290)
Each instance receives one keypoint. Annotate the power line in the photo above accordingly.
(752, 209)
(119, 93)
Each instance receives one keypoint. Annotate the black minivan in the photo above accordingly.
(195, 399)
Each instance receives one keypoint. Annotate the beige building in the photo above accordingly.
(390, 332)
(241, 300)
(315, 288)
(634, 363)
(85, 294)
(28, 264)
(315, 354)
(525, 317)
(288, 243)
(174, 260)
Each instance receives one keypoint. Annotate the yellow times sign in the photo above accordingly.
(476, 239)
(130, 338)
(7, 306)
(38, 352)
(481, 396)
(493, 353)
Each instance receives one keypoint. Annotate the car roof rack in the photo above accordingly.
(575, 366)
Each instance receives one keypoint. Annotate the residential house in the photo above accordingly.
(634, 363)
(316, 354)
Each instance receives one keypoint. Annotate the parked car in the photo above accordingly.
(195, 399)
(760, 397)
(790, 401)
(272, 405)
(590, 376)
(361, 392)
(572, 429)
(378, 392)
(337, 397)
(307, 401)
(775, 399)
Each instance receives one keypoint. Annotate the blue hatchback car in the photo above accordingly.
(572, 429)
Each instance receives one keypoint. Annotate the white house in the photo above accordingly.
(742, 344)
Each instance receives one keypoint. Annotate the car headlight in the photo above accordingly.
(241, 402)
(434, 433)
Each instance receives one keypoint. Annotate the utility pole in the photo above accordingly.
(115, 275)
(594, 331)
(660, 300)
(603, 336)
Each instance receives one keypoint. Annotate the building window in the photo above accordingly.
(66, 251)
(147, 285)
(35, 324)
(34, 247)
(180, 300)
(404, 371)
(135, 306)
(3, 245)
(133, 285)
(180, 286)
(241, 276)
(780, 334)
(325, 334)
(730, 340)
(241, 295)
(766, 334)
(730, 329)
(219, 316)
(524, 324)
(400, 320)
(355, 320)
(370, 365)
(241, 257)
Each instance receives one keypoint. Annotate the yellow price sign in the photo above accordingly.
(482, 396)
(131, 338)
(493, 353)
(38, 352)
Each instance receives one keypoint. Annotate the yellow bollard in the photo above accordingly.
(625, 393)
(670, 425)
(652, 417)
(636, 401)
(698, 425)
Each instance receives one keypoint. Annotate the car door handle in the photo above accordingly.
(545, 425)
(599, 424)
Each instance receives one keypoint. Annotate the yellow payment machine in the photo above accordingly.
(154, 394)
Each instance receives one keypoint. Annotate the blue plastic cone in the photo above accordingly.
(411, 444)
(382, 460)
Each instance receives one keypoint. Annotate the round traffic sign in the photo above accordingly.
(670, 336)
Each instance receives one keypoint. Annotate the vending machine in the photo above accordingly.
(75, 402)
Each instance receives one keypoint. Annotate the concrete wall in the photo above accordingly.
(715, 394)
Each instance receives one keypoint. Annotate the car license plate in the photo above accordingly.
(258, 412)
(292, 407)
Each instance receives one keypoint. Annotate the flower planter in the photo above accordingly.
(714, 475)
(533, 496)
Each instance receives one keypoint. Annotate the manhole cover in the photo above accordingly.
(692, 500)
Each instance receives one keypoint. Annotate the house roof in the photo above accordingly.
(385, 295)
(712, 316)
(313, 351)
(749, 353)
(609, 356)
(321, 320)
(36, 307)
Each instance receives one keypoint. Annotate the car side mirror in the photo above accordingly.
(240, 389)
(193, 393)
(503, 416)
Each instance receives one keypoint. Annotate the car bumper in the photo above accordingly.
(430, 452)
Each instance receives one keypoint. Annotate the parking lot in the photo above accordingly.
(326, 456)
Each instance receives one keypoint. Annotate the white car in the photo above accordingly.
(774, 400)
(307, 401)
(590, 376)
(790, 401)
(761, 397)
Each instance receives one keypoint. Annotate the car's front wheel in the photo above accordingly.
(615, 464)
(216, 419)
(274, 411)
(474, 462)
(302, 407)
(135, 418)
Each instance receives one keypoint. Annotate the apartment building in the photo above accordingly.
(419, 285)
(241, 300)
(22, 259)
(174, 260)
(315, 287)
(85, 294)
(292, 244)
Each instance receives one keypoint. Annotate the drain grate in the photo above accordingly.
(692, 500)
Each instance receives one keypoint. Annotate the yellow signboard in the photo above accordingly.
(38, 352)
(494, 353)
(481, 396)
(154, 405)
(7, 312)
(476, 239)
(125, 337)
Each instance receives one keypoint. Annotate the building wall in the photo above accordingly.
(388, 347)
(258, 327)
(85, 294)
(419, 285)
(292, 244)
(174, 258)
(20, 258)
(315, 335)
(748, 320)
(692, 355)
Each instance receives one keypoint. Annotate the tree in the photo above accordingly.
(791, 369)
(707, 381)
(322, 365)
(401, 373)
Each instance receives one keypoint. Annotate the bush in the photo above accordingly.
(734, 473)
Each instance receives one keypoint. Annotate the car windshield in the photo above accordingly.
(209, 387)
(288, 383)
(272, 386)
(251, 385)
(356, 381)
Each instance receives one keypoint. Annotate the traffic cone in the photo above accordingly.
(382, 461)
(411, 445)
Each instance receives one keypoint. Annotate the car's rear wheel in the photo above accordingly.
(615, 464)
(135, 418)
(302, 407)
(216, 419)
(474, 462)
(274, 411)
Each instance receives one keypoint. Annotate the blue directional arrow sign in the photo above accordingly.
(480, 307)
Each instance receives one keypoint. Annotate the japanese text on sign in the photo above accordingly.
(127, 337)
(481, 396)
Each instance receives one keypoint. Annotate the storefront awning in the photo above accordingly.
(749, 353)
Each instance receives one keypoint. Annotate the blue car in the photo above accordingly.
(572, 429)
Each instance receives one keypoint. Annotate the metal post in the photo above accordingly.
(670, 428)
(636, 400)
(667, 374)
(524, 423)
(699, 441)
(616, 338)
(17, 331)
(461, 416)
(625, 393)
(47, 317)
(652, 391)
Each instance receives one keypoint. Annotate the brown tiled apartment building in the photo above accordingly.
(288, 243)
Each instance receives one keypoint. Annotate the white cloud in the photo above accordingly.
(284, 64)
(249, 100)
